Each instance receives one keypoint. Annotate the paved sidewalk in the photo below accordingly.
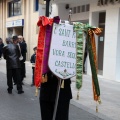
(84, 108)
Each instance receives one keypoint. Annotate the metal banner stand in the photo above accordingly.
(57, 98)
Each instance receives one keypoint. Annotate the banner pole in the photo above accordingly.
(47, 7)
(57, 98)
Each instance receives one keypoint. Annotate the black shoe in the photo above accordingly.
(10, 91)
(20, 92)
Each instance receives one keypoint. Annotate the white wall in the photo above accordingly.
(82, 15)
(54, 10)
(62, 11)
(118, 52)
(111, 39)
(110, 43)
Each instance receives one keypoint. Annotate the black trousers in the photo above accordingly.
(16, 74)
(22, 70)
(85, 56)
(0, 55)
(47, 109)
(33, 69)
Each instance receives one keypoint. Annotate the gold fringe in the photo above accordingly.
(36, 92)
(96, 108)
(78, 97)
(44, 78)
(99, 100)
(62, 84)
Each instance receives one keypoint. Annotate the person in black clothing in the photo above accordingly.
(11, 53)
(48, 97)
(23, 47)
(85, 56)
(32, 60)
(1, 47)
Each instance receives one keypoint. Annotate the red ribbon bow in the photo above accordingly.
(43, 22)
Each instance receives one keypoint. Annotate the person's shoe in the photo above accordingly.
(20, 92)
(10, 91)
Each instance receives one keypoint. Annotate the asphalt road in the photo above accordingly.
(26, 106)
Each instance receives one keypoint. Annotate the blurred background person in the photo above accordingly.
(23, 47)
(11, 53)
(1, 47)
(32, 60)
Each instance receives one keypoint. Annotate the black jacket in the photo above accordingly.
(1, 47)
(33, 58)
(11, 53)
(23, 47)
(48, 89)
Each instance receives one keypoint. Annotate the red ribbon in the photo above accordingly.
(42, 23)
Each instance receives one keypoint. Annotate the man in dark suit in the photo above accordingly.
(11, 53)
(48, 92)
(23, 47)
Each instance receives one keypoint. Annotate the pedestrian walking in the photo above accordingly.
(32, 60)
(11, 53)
(1, 47)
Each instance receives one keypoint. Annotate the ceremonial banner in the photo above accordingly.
(62, 56)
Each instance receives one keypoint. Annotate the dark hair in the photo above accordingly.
(35, 48)
(8, 40)
(15, 38)
(0, 38)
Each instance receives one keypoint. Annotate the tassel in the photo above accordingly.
(78, 95)
(99, 100)
(96, 108)
(46, 78)
(36, 92)
(62, 84)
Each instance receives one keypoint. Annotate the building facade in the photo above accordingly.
(19, 17)
(104, 14)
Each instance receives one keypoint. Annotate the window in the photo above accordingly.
(36, 5)
(14, 8)
(78, 9)
(74, 10)
(83, 8)
(87, 7)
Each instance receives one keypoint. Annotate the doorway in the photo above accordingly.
(18, 30)
(102, 16)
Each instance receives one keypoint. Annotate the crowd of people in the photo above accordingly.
(14, 52)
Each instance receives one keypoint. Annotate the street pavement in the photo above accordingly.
(26, 106)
